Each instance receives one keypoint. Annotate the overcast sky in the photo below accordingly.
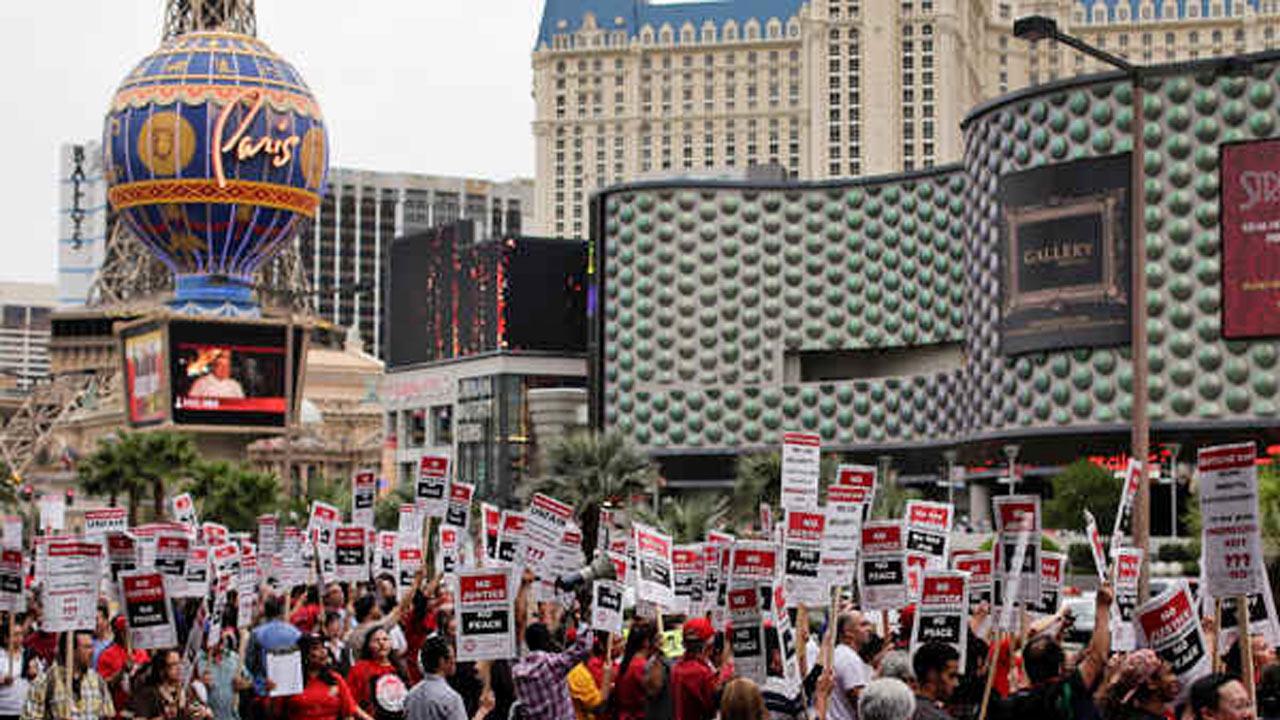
(431, 86)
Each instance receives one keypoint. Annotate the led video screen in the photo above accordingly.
(229, 374)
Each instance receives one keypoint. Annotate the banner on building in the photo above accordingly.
(1250, 227)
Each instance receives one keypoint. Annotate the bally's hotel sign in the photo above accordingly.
(1064, 261)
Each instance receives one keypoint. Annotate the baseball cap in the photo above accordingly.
(699, 628)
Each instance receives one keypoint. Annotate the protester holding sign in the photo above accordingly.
(70, 688)
(377, 682)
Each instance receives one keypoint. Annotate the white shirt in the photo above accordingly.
(12, 695)
(850, 673)
(213, 387)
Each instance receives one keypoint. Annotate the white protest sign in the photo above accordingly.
(12, 531)
(432, 485)
(942, 615)
(1128, 567)
(748, 633)
(787, 683)
(917, 563)
(858, 482)
(322, 523)
(753, 563)
(71, 586)
(491, 517)
(122, 553)
(689, 580)
(293, 569)
(53, 512)
(173, 550)
(1231, 538)
(146, 609)
(197, 579)
(929, 530)
(486, 614)
(183, 509)
(364, 493)
(545, 522)
(98, 523)
(213, 533)
(1008, 582)
(980, 566)
(882, 575)
(802, 557)
(1017, 520)
(1128, 491)
(801, 463)
(386, 562)
(458, 511)
(268, 535)
(351, 561)
(1095, 545)
(410, 523)
(1261, 609)
(606, 606)
(408, 562)
(449, 558)
(1053, 570)
(843, 535)
(11, 585)
(1170, 625)
(511, 537)
(654, 581)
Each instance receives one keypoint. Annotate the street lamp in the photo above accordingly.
(950, 457)
(1039, 27)
(1011, 453)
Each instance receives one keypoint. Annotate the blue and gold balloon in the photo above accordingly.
(214, 150)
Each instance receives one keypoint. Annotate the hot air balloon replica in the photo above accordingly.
(214, 150)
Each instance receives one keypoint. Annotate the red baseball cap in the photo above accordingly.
(699, 628)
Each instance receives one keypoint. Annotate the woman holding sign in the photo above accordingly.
(324, 695)
(377, 682)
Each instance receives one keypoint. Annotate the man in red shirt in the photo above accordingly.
(695, 684)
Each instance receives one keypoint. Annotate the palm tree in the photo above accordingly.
(759, 480)
(688, 517)
(588, 470)
(233, 494)
(336, 492)
(135, 462)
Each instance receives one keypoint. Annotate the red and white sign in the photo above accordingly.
(184, 510)
(879, 536)
(883, 566)
(1095, 545)
(511, 537)
(408, 562)
(98, 523)
(146, 609)
(12, 598)
(687, 563)
(486, 615)
(1231, 535)
(351, 561)
(71, 586)
(213, 533)
(843, 533)
(364, 493)
(654, 575)
(268, 534)
(433, 485)
(857, 482)
(173, 552)
(12, 531)
(1128, 492)
(458, 512)
(1018, 530)
(1128, 567)
(801, 465)
(1170, 625)
(1053, 570)
(492, 518)
(449, 559)
(197, 584)
(1250, 227)
(322, 523)
(929, 530)
(979, 565)
(803, 541)
(747, 638)
(753, 562)
(942, 614)
(545, 522)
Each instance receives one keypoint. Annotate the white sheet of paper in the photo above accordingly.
(285, 670)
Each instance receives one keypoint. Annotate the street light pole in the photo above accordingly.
(950, 457)
(1174, 450)
(1039, 27)
(1011, 452)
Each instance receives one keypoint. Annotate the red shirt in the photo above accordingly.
(361, 678)
(320, 701)
(305, 617)
(693, 689)
(595, 666)
(628, 691)
(112, 661)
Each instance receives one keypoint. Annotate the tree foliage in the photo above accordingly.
(386, 513)
(233, 494)
(1081, 486)
(688, 517)
(588, 470)
(296, 509)
(134, 463)
(759, 479)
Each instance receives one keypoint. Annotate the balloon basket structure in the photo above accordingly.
(209, 296)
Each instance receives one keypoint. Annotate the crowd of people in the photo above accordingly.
(371, 652)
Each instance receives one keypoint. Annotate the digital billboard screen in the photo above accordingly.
(230, 373)
(146, 375)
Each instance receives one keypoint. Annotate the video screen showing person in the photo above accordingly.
(228, 374)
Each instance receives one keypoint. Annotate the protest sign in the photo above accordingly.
(458, 512)
(486, 614)
(146, 609)
(351, 562)
(802, 557)
(449, 559)
(1017, 520)
(917, 562)
(843, 534)
(720, 545)
(53, 512)
(408, 562)
(747, 638)
(491, 516)
(212, 533)
(172, 553)
(410, 523)
(929, 530)
(686, 563)
(246, 588)
(606, 606)
(511, 533)
(268, 535)
(857, 481)
(225, 561)
(294, 568)
(1261, 609)
(882, 571)
(71, 586)
(801, 463)
(386, 562)
(545, 522)
(183, 509)
(942, 615)
(12, 531)
(322, 523)
(1095, 545)
(98, 523)
(654, 581)
(11, 581)
(980, 567)
(1169, 624)
(122, 553)
(364, 492)
(1053, 568)
(1128, 491)
(1231, 537)
(197, 578)
(433, 485)
(1008, 584)
(784, 681)
(1128, 567)
(753, 563)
